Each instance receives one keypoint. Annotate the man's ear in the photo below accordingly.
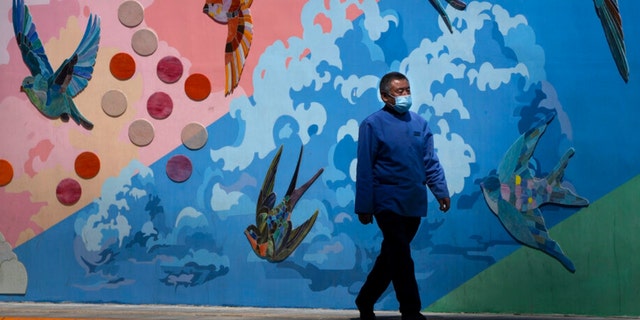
(386, 97)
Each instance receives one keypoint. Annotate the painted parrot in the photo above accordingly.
(515, 194)
(609, 15)
(272, 237)
(456, 4)
(52, 92)
(236, 15)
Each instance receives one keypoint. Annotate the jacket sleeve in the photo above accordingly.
(364, 169)
(434, 173)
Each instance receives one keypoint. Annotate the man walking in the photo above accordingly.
(396, 160)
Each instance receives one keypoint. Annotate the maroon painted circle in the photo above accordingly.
(68, 191)
(179, 168)
(159, 105)
(169, 69)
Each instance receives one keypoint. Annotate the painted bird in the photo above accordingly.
(456, 4)
(236, 15)
(515, 194)
(272, 237)
(609, 15)
(52, 92)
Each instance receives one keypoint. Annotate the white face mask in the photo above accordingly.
(403, 103)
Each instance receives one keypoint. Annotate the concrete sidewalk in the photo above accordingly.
(67, 311)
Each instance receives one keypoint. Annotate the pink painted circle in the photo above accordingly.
(179, 168)
(169, 69)
(68, 191)
(159, 105)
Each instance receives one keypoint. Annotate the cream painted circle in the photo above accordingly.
(144, 42)
(130, 13)
(114, 103)
(194, 136)
(141, 132)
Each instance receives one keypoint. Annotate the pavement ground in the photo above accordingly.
(75, 311)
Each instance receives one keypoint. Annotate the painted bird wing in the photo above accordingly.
(75, 72)
(294, 238)
(609, 15)
(443, 14)
(29, 42)
(529, 228)
(236, 50)
(516, 159)
(267, 198)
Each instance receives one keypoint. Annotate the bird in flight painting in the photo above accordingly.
(456, 4)
(236, 15)
(52, 92)
(272, 237)
(609, 14)
(515, 194)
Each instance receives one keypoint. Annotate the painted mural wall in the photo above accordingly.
(204, 152)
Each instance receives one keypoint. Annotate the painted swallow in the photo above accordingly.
(609, 15)
(272, 237)
(515, 194)
(236, 15)
(456, 4)
(52, 92)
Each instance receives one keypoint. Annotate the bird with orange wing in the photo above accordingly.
(236, 15)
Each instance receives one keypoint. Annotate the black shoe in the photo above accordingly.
(413, 316)
(366, 312)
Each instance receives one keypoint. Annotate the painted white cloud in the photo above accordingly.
(222, 200)
(493, 77)
(349, 129)
(355, 87)
(455, 156)
(92, 229)
(293, 66)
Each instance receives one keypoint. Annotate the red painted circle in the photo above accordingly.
(6, 172)
(87, 165)
(179, 168)
(197, 87)
(122, 66)
(68, 191)
(159, 105)
(169, 69)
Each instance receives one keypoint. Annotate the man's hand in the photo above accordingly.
(365, 218)
(445, 204)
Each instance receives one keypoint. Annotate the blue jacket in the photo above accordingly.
(396, 160)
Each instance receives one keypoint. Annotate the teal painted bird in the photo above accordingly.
(52, 92)
(272, 237)
(609, 14)
(515, 194)
(456, 4)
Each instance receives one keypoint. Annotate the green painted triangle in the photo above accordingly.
(602, 240)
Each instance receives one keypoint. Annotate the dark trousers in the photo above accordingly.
(393, 265)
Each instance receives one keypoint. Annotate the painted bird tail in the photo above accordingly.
(559, 194)
(75, 114)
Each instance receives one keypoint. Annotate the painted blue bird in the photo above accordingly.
(609, 14)
(456, 4)
(52, 92)
(515, 194)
